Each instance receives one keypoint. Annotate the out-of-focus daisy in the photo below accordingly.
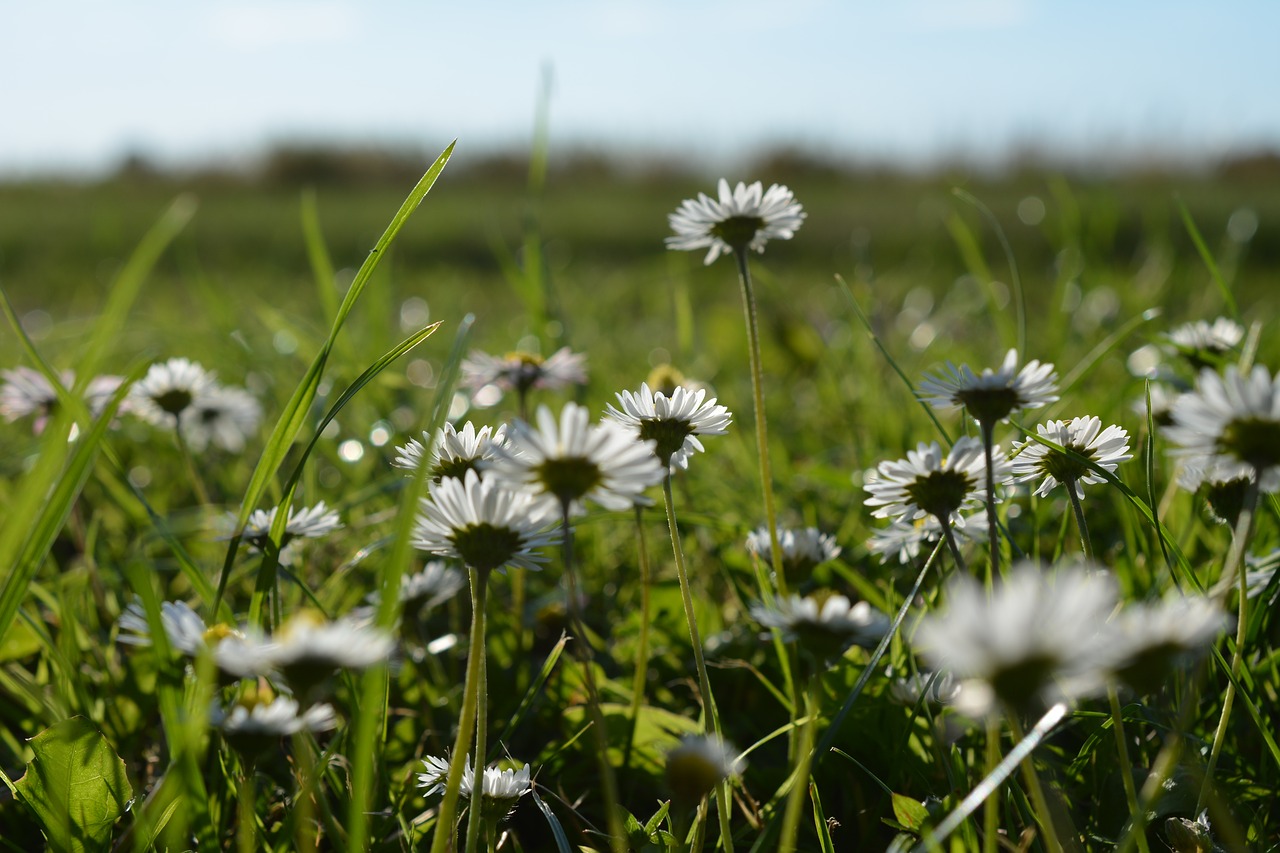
(992, 395)
(927, 483)
(1153, 638)
(1223, 486)
(255, 724)
(221, 416)
(1039, 636)
(500, 790)
(524, 371)
(802, 550)
(184, 628)
(312, 522)
(673, 421)
(1231, 424)
(904, 540)
(1260, 575)
(307, 649)
(1106, 448)
(936, 688)
(433, 585)
(453, 452)
(571, 460)
(697, 765)
(27, 392)
(823, 625)
(1204, 344)
(483, 524)
(166, 393)
(746, 217)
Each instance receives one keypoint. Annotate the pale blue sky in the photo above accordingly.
(913, 80)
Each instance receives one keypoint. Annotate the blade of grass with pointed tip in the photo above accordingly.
(1207, 257)
(557, 831)
(971, 253)
(820, 821)
(1019, 299)
(318, 255)
(534, 689)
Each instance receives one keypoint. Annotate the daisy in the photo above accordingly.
(802, 550)
(304, 523)
(1038, 637)
(307, 649)
(926, 483)
(904, 540)
(937, 688)
(523, 371)
(1161, 405)
(746, 217)
(1204, 344)
(673, 421)
(185, 630)
(483, 524)
(992, 395)
(436, 583)
(255, 724)
(823, 625)
(1151, 639)
(568, 461)
(1231, 424)
(1106, 448)
(28, 392)
(500, 790)
(698, 764)
(1259, 575)
(221, 416)
(453, 453)
(165, 394)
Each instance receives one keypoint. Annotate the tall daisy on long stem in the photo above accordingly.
(1232, 423)
(989, 398)
(488, 528)
(561, 464)
(746, 217)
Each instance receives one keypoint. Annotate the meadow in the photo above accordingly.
(275, 285)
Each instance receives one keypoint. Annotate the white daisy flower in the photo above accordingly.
(221, 416)
(164, 395)
(926, 483)
(698, 764)
(453, 452)
(500, 789)
(307, 649)
(1203, 342)
(184, 628)
(937, 688)
(673, 421)
(569, 461)
(522, 371)
(27, 392)
(1106, 448)
(1258, 576)
(431, 586)
(802, 550)
(1231, 424)
(744, 217)
(437, 772)
(1038, 636)
(905, 540)
(311, 522)
(992, 395)
(255, 724)
(1153, 638)
(483, 524)
(823, 625)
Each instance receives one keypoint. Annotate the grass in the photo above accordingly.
(90, 525)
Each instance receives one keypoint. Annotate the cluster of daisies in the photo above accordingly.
(177, 394)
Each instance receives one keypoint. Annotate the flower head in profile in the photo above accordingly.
(29, 393)
(927, 483)
(1152, 639)
(185, 630)
(746, 217)
(222, 416)
(698, 764)
(500, 789)
(254, 724)
(672, 421)
(483, 524)
(823, 625)
(308, 649)
(436, 583)
(1038, 637)
(802, 550)
(904, 540)
(523, 371)
(1205, 344)
(314, 522)
(167, 392)
(454, 452)
(936, 688)
(993, 395)
(1230, 425)
(1106, 448)
(571, 460)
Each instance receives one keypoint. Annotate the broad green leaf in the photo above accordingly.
(909, 813)
(76, 785)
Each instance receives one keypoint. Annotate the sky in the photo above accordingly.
(911, 81)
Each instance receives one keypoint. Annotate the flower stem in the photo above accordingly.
(1086, 543)
(642, 653)
(197, 483)
(991, 807)
(800, 789)
(1038, 798)
(762, 426)
(993, 527)
(1235, 563)
(582, 650)
(704, 683)
(246, 825)
(474, 820)
(1136, 814)
(444, 838)
(950, 536)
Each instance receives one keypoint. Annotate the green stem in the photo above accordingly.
(303, 832)
(197, 483)
(704, 683)
(1038, 798)
(993, 527)
(1086, 543)
(640, 679)
(1136, 814)
(582, 650)
(950, 536)
(1235, 564)
(800, 788)
(246, 825)
(991, 806)
(474, 820)
(762, 426)
(445, 834)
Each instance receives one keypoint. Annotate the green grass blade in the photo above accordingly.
(557, 831)
(820, 821)
(1205, 255)
(318, 255)
(1019, 298)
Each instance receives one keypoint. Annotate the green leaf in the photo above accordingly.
(658, 817)
(76, 785)
(909, 813)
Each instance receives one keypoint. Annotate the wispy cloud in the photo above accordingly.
(259, 26)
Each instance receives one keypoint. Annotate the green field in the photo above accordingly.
(890, 277)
